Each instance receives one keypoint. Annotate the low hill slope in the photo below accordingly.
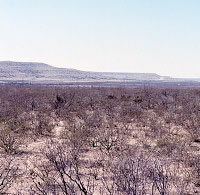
(40, 72)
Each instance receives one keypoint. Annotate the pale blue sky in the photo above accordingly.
(161, 36)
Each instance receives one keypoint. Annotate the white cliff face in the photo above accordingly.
(29, 71)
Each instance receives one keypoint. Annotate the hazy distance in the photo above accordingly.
(117, 36)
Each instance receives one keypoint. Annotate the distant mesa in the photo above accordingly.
(44, 73)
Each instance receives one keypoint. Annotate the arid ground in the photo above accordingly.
(99, 140)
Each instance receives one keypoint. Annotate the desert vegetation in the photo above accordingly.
(99, 140)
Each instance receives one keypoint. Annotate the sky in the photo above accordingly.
(156, 36)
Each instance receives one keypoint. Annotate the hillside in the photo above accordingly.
(40, 72)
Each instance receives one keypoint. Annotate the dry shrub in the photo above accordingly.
(171, 146)
(61, 172)
(9, 142)
(8, 174)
